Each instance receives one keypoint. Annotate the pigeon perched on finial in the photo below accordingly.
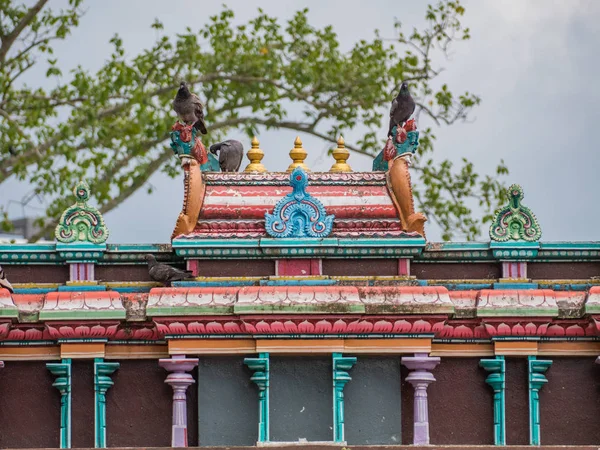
(164, 273)
(231, 154)
(402, 108)
(189, 108)
(4, 283)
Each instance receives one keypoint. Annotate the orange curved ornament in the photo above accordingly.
(398, 183)
(193, 197)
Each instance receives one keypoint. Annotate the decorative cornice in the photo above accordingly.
(407, 245)
(287, 310)
(282, 179)
(336, 246)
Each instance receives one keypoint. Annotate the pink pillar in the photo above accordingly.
(512, 269)
(404, 267)
(179, 380)
(81, 271)
(420, 377)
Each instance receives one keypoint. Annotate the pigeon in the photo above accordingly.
(402, 108)
(164, 273)
(4, 283)
(189, 108)
(231, 154)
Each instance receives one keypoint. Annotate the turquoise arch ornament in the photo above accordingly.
(299, 214)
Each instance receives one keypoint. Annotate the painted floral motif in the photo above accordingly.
(81, 222)
(299, 214)
(515, 221)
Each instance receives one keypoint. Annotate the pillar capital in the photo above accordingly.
(421, 362)
(178, 363)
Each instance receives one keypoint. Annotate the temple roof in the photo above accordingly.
(235, 205)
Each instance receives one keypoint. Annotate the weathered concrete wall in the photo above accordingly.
(570, 402)
(236, 268)
(450, 271)
(563, 270)
(28, 273)
(360, 267)
(82, 403)
(138, 406)
(373, 402)
(301, 398)
(227, 402)
(333, 267)
(461, 409)
(29, 406)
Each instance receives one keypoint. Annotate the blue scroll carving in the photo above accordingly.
(298, 214)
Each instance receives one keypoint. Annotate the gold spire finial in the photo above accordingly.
(341, 155)
(298, 155)
(255, 155)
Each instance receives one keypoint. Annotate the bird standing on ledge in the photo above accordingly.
(231, 153)
(402, 108)
(164, 273)
(4, 283)
(189, 108)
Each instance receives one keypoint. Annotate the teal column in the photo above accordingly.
(341, 365)
(497, 380)
(62, 371)
(260, 367)
(536, 381)
(102, 381)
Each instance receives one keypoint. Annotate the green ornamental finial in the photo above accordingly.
(80, 222)
(514, 221)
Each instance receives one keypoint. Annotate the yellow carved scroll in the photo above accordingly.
(398, 181)
(193, 196)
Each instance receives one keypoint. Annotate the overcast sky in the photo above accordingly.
(534, 63)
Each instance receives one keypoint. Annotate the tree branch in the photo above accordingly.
(9, 39)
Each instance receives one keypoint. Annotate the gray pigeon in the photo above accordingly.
(402, 108)
(164, 273)
(189, 108)
(231, 154)
(4, 283)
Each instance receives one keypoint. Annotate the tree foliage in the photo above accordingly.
(111, 127)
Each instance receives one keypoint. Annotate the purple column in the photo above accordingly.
(179, 380)
(420, 377)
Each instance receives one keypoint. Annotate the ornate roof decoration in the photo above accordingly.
(515, 222)
(299, 214)
(80, 222)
